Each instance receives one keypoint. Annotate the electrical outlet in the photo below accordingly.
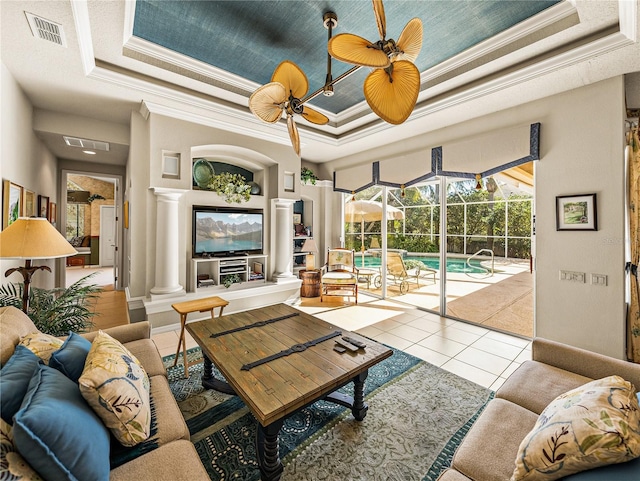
(573, 276)
(599, 280)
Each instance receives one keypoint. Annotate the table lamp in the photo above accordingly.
(310, 247)
(31, 238)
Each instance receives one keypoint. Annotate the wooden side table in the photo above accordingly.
(310, 283)
(187, 307)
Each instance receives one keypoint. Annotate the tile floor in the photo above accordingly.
(483, 356)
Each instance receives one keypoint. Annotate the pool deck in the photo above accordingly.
(503, 301)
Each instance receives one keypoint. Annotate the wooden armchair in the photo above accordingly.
(339, 274)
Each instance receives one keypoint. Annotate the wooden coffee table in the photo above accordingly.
(307, 371)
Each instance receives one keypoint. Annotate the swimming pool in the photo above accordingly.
(454, 264)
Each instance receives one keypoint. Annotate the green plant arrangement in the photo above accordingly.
(307, 175)
(232, 187)
(56, 311)
(230, 279)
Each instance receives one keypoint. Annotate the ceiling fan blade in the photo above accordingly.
(378, 10)
(293, 134)
(266, 102)
(410, 41)
(353, 49)
(393, 101)
(292, 77)
(314, 116)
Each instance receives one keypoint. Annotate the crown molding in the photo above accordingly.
(229, 111)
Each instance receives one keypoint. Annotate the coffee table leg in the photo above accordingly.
(359, 408)
(209, 381)
(356, 403)
(268, 451)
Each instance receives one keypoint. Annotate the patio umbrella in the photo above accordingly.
(368, 211)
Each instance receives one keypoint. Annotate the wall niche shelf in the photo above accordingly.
(203, 170)
(208, 274)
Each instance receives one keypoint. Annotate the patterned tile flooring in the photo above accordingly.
(483, 356)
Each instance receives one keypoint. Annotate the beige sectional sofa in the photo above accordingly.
(175, 456)
(488, 452)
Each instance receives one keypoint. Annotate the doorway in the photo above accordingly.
(89, 217)
(470, 261)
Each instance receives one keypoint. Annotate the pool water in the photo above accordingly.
(453, 264)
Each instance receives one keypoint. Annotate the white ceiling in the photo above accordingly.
(578, 43)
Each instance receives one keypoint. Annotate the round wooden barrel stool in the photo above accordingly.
(310, 283)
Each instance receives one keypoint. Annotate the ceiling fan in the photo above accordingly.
(392, 89)
(283, 95)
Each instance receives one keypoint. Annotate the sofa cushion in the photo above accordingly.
(13, 325)
(70, 358)
(167, 424)
(14, 381)
(176, 460)
(57, 433)
(42, 345)
(13, 466)
(489, 449)
(452, 475)
(116, 386)
(534, 385)
(593, 425)
(146, 352)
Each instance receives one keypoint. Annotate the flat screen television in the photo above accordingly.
(220, 231)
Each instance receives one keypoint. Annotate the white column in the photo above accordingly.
(283, 240)
(167, 242)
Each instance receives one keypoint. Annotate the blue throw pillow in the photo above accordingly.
(629, 471)
(14, 381)
(57, 432)
(70, 358)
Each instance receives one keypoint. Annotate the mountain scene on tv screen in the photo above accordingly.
(217, 235)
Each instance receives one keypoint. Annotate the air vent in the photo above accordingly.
(46, 29)
(86, 144)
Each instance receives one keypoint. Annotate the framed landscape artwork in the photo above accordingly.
(576, 212)
(29, 201)
(11, 203)
(43, 206)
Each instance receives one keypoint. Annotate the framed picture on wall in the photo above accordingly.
(53, 211)
(11, 203)
(29, 203)
(43, 206)
(576, 212)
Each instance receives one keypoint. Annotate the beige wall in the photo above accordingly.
(158, 134)
(25, 161)
(581, 152)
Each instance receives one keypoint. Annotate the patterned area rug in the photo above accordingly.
(418, 414)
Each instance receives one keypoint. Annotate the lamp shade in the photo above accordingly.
(309, 246)
(33, 238)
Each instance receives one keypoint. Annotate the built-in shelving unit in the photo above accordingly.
(209, 274)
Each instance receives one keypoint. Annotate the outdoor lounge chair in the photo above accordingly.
(339, 274)
(399, 275)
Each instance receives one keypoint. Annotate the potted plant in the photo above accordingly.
(230, 279)
(307, 176)
(232, 187)
(56, 311)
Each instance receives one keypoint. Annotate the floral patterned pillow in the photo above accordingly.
(590, 426)
(117, 388)
(13, 467)
(42, 345)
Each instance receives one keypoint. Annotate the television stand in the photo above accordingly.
(209, 274)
